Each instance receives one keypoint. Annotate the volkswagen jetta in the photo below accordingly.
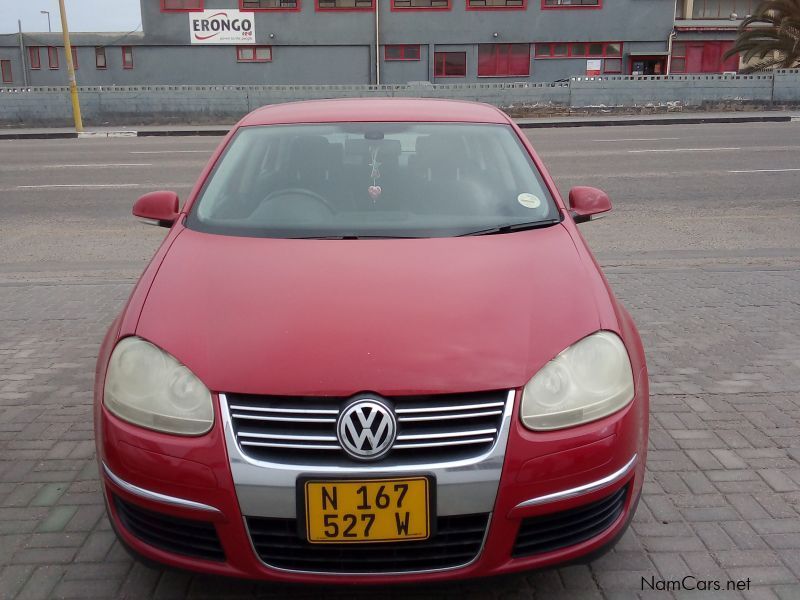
(372, 347)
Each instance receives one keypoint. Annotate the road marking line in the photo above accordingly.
(682, 150)
(99, 166)
(765, 171)
(170, 151)
(638, 139)
(78, 185)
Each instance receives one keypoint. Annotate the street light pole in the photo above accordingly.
(73, 86)
(47, 12)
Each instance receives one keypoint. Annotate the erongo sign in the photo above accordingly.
(222, 27)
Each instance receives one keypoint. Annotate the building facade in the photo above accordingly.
(263, 42)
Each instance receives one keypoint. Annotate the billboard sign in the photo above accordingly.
(222, 26)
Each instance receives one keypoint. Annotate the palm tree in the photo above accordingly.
(774, 41)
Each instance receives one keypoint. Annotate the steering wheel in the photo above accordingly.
(272, 196)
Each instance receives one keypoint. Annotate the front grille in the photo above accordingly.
(457, 541)
(171, 534)
(568, 527)
(301, 430)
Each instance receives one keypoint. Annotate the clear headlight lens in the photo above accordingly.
(148, 387)
(589, 380)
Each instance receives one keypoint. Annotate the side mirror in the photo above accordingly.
(157, 208)
(587, 201)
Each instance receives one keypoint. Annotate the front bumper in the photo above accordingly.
(528, 482)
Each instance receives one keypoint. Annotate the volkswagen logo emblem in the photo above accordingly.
(366, 429)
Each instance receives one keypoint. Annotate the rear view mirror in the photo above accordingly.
(585, 202)
(157, 208)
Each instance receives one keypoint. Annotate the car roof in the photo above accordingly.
(348, 110)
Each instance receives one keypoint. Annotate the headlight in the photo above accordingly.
(589, 380)
(148, 387)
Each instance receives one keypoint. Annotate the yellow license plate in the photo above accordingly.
(370, 510)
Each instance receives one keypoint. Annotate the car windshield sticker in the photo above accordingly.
(374, 190)
(529, 201)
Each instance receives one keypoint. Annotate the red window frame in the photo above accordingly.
(522, 6)
(404, 52)
(52, 58)
(412, 8)
(496, 60)
(5, 70)
(295, 8)
(166, 9)
(255, 59)
(127, 64)
(74, 57)
(369, 8)
(547, 50)
(98, 52)
(437, 72)
(546, 6)
(34, 57)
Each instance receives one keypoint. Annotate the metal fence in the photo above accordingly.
(163, 104)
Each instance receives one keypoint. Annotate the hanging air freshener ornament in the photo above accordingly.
(374, 190)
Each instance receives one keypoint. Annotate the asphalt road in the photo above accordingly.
(681, 193)
(703, 246)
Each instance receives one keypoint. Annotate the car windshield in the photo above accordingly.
(356, 180)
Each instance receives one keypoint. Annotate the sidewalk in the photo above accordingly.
(682, 118)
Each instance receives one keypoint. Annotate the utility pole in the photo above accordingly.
(22, 59)
(73, 86)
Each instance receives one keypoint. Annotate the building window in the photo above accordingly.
(496, 4)
(34, 57)
(572, 4)
(722, 9)
(401, 52)
(52, 57)
(344, 5)
(269, 5)
(421, 4)
(450, 64)
(74, 57)
(100, 57)
(253, 53)
(5, 69)
(504, 60)
(127, 57)
(181, 5)
(612, 66)
(579, 50)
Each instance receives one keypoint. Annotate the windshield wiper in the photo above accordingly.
(514, 227)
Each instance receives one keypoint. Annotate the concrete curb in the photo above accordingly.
(532, 123)
(656, 121)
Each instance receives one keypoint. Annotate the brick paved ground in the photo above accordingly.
(721, 500)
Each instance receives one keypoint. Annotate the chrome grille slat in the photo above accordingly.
(425, 409)
(448, 434)
(302, 430)
(302, 411)
(297, 446)
(291, 438)
(441, 444)
(282, 419)
(448, 417)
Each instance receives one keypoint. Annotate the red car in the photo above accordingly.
(372, 348)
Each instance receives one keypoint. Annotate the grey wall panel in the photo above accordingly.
(224, 104)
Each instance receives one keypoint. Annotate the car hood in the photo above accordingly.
(391, 316)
